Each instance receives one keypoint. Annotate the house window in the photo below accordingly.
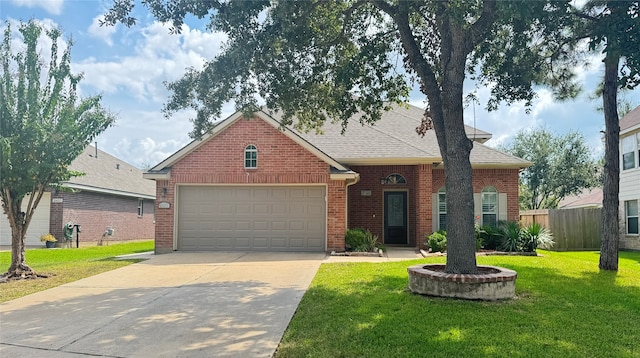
(140, 207)
(251, 157)
(628, 152)
(489, 206)
(631, 212)
(442, 209)
(393, 179)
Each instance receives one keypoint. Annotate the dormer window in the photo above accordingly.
(250, 157)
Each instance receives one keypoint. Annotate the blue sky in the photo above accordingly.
(129, 65)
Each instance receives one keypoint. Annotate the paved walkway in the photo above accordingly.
(231, 304)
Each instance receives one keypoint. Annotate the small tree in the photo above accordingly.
(44, 126)
(562, 166)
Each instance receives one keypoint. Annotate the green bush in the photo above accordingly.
(515, 238)
(512, 237)
(537, 236)
(359, 239)
(437, 241)
(490, 236)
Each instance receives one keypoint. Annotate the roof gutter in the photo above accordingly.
(107, 191)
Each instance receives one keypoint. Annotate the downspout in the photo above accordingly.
(349, 182)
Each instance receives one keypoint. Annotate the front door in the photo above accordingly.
(395, 217)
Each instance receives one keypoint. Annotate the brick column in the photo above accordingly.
(423, 189)
(164, 217)
(336, 214)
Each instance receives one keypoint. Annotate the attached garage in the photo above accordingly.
(39, 222)
(251, 218)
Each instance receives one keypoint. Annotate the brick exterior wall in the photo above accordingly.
(96, 211)
(281, 161)
(504, 180)
(422, 181)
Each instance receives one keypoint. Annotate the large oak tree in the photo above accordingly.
(44, 126)
(328, 60)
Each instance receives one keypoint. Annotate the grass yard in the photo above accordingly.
(564, 308)
(67, 265)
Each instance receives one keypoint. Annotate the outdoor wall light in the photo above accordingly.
(164, 192)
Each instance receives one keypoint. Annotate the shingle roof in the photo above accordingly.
(394, 139)
(106, 173)
(587, 198)
(630, 120)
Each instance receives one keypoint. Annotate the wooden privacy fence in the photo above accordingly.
(573, 229)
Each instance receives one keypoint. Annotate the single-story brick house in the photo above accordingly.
(251, 184)
(111, 194)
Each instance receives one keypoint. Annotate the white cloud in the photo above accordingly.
(53, 7)
(159, 56)
(102, 32)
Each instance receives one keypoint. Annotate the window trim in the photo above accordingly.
(633, 141)
(442, 225)
(394, 179)
(627, 216)
(140, 207)
(251, 150)
(486, 191)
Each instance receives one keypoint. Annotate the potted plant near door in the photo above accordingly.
(49, 240)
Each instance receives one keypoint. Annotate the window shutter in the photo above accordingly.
(477, 208)
(502, 206)
(434, 212)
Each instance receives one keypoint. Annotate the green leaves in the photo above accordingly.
(562, 166)
(44, 125)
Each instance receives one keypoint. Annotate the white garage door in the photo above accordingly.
(255, 218)
(39, 222)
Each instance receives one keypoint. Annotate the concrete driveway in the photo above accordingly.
(229, 304)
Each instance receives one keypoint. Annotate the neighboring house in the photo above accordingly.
(588, 198)
(630, 179)
(251, 184)
(111, 194)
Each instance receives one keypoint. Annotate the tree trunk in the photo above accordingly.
(610, 200)
(19, 224)
(455, 149)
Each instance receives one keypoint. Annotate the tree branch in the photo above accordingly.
(482, 25)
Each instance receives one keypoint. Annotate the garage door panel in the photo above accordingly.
(243, 208)
(252, 218)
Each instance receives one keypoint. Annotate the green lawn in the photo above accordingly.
(67, 265)
(564, 308)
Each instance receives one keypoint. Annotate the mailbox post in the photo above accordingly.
(77, 227)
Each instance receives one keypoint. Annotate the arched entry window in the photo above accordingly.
(393, 179)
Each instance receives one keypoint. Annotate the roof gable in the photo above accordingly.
(226, 123)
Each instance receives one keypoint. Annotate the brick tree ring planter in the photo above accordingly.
(491, 282)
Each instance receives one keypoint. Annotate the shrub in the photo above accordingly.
(359, 239)
(490, 235)
(48, 237)
(370, 240)
(537, 236)
(437, 241)
(512, 237)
